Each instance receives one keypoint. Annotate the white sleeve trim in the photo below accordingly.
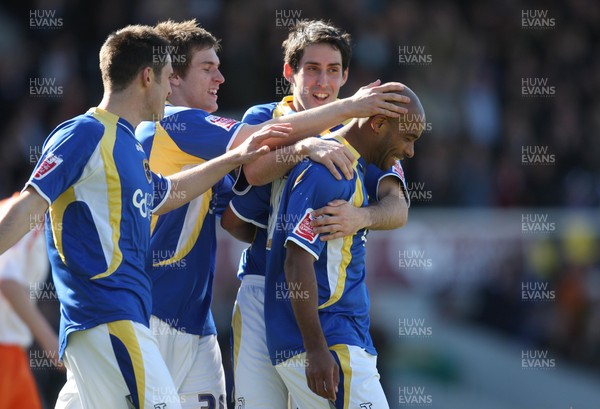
(235, 133)
(299, 243)
(39, 190)
(238, 181)
(257, 224)
(164, 200)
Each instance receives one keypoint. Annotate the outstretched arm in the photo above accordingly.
(279, 161)
(372, 99)
(19, 215)
(191, 183)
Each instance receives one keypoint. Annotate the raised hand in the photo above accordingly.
(377, 99)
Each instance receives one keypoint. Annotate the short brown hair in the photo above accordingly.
(308, 32)
(186, 37)
(128, 51)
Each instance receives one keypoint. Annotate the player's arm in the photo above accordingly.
(340, 218)
(191, 183)
(18, 297)
(237, 227)
(372, 99)
(277, 163)
(322, 372)
(19, 215)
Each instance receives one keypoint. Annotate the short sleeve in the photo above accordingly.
(222, 194)
(196, 132)
(374, 176)
(312, 189)
(259, 114)
(64, 158)
(162, 188)
(253, 206)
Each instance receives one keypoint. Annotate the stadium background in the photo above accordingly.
(490, 296)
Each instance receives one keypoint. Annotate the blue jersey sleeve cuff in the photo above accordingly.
(38, 190)
(165, 197)
(402, 185)
(247, 220)
(301, 244)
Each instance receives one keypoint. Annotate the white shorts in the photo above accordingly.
(257, 383)
(116, 365)
(195, 365)
(359, 385)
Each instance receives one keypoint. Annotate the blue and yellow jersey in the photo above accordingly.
(375, 175)
(95, 176)
(257, 203)
(183, 243)
(339, 264)
(253, 206)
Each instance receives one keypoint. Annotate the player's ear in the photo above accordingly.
(288, 73)
(378, 123)
(147, 76)
(175, 80)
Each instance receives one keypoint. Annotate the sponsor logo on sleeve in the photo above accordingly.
(225, 123)
(303, 228)
(397, 169)
(50, 163)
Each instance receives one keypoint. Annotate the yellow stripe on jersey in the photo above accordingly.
(343, 354)
(194, 219)
(125, 332)
(299, 178)
(339, 251)
(57, 212)
(236, 324)
(113, 185)
(107, 200)
(166, 158)
(338, 259)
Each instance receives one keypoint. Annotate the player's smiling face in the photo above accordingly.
(201, 83)
(402, 135)
(319, 77)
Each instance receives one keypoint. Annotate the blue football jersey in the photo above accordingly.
(96, 178)
(259, 206)
(374, 176)
(339, 264)
(183, 244)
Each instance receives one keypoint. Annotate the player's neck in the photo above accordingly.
(177, 100)
(355, 137)
(123, 105)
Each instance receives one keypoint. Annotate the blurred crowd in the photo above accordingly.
(467, 60)
(511, 91)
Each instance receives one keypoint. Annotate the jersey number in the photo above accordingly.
(208, 401)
